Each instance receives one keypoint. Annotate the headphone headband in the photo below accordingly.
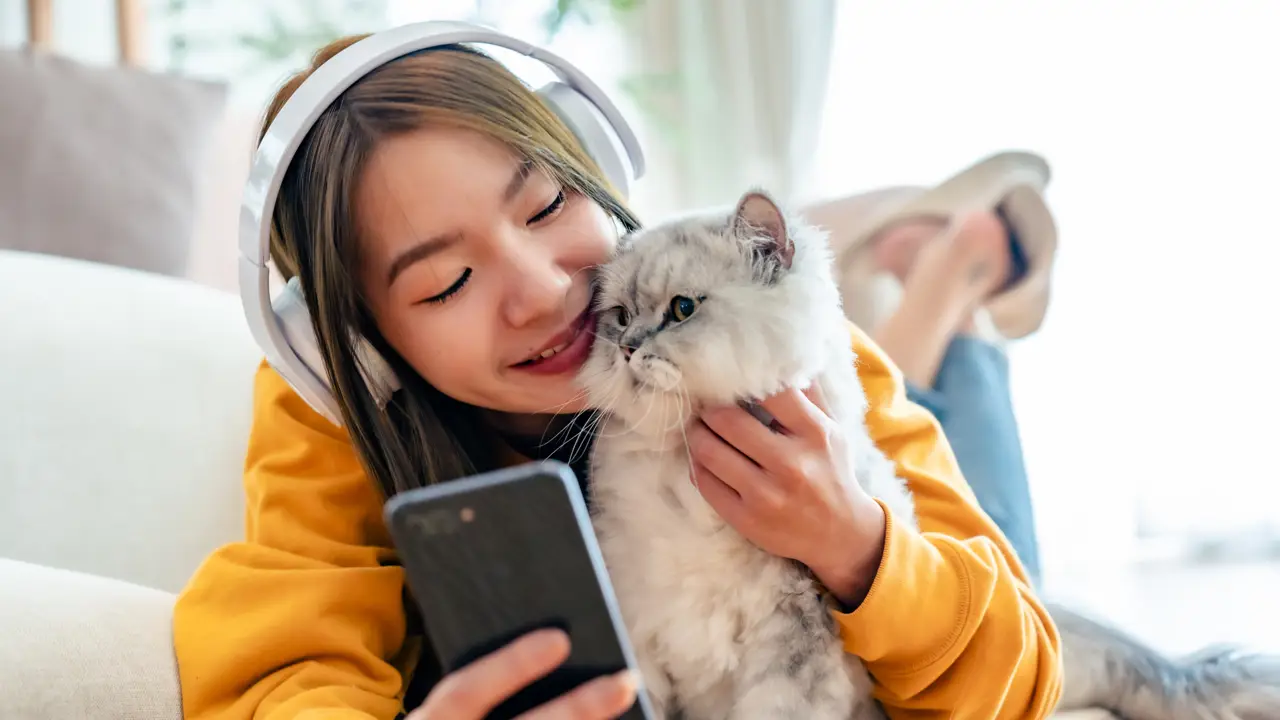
(285, 337)
(336, 75)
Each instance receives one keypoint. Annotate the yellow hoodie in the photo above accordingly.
(306, 618)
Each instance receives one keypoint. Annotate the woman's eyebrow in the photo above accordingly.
(419, 252)
(517, 181)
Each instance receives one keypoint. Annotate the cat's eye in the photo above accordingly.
(682, 306)
(624, 317)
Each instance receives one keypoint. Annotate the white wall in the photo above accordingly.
(1150, 391)
(13, 24)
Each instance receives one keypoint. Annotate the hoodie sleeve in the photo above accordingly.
(950, 627)
(304, 619)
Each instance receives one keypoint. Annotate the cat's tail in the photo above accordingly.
(1104, 668)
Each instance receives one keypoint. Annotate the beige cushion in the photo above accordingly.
(79, 646)
(125, 404)
(100, 163)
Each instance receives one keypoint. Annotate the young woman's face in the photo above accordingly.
(475, 266)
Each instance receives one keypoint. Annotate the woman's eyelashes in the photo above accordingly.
(451, 290)
(552, 209)
(549, 210)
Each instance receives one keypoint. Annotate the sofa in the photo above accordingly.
(125, 402)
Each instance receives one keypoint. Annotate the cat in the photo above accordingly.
(730, 308)
(722, 629)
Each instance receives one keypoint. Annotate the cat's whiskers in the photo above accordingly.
(631, 426)
(556, 410)
(652, 397)
(684, 435)
(580, 436)
(574, 434)
(608, 401)
(596, 334)
(590, 431)
(564, 431)
(678, 419)
(584, 381)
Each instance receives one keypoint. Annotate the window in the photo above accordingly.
(1148, 403)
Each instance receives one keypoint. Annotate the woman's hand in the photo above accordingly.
(781, 488)
(472, 692)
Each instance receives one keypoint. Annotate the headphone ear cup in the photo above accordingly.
(593, 131)
(305, 372)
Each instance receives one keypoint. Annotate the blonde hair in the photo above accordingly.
(423, 437)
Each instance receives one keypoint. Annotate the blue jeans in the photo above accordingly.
(971, 400)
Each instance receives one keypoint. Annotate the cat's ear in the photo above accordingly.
(759, 216)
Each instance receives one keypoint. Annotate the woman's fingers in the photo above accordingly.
(719, 495)
(743, 432)
(798, 413)
(475, 690)
(721, 455)
(600, 699)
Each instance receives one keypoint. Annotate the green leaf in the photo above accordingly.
(588, 11)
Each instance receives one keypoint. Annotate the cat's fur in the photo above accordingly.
(721, 628)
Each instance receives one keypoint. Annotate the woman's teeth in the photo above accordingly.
(552, 351)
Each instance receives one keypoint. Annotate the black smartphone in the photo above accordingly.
(494, 556)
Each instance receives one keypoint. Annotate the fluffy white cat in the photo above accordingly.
(716, 312)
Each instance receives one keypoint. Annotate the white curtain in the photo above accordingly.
(730, 95)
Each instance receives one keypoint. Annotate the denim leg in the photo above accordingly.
(972, 402)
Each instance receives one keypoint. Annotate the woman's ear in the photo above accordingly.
(758, 216)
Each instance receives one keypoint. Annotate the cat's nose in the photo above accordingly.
(627, 350)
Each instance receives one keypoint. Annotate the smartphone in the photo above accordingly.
(493, 556)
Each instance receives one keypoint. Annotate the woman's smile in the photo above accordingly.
(566, 351)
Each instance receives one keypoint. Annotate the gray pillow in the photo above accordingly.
(101, 163)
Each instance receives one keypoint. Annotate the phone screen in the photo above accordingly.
(495, 556)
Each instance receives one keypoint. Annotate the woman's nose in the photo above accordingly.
(538, 287)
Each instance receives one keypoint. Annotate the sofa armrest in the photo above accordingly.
(77, 645)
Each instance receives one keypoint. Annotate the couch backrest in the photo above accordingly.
(125, 405)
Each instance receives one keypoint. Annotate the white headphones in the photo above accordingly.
(283, 328)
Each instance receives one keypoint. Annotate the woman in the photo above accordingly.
(308, 617)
